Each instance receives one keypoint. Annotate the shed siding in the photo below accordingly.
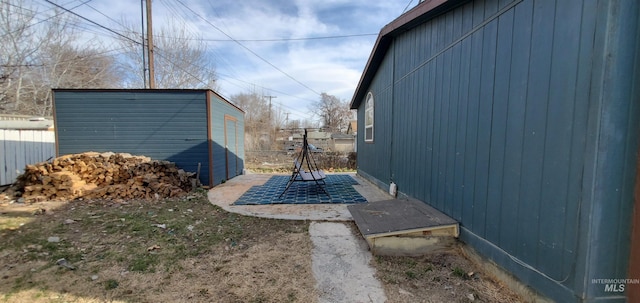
(218, 132)
(502, 114)
(19, 148)
(164, 125)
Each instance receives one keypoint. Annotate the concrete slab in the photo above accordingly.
(224, 195)
(340, 263)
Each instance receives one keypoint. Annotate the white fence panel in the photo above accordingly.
(18, 148)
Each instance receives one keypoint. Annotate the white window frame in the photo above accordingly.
(369, 115)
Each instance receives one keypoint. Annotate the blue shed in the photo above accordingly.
(193, 128)
(521, 120)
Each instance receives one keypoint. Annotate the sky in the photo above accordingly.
(291, 49)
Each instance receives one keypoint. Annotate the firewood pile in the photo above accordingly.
(110, 176)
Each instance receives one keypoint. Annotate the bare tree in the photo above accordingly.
(43, 55)
(17, 49)
(333, 112)
(68, 66)
(262, 121)
(180, 61)
(293, 124)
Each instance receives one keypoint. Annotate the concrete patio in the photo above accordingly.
(224, 195)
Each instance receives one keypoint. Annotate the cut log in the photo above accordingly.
(103, 176)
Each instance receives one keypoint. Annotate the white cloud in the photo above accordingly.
(329, 65)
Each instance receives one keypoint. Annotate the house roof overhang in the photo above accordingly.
(420, 14)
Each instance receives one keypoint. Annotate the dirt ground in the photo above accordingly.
(187, 250)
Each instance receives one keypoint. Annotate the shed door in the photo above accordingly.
(231, 145)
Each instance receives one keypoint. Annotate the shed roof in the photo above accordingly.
(148, 90)
(420, 14)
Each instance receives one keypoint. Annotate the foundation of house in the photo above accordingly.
(405, 227)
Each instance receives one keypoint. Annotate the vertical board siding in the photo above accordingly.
(162, 125)
(377, 153)
(485, 113)
(514, 136)
(220, 108)
(19, 148)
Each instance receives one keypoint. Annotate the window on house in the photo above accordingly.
(368, 118)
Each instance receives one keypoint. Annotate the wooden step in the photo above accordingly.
(404, 227)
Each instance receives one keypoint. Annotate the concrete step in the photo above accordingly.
(404, 227)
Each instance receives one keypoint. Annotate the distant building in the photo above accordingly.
(24, 140)
(343, 142)
(320, 139)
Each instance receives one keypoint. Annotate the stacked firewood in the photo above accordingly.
(110, 176)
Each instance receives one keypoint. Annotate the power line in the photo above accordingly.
(281, 39)
(103, 14)
(248, 49)
(183, 15)
(186, 71)
(405, 8)
(93, 22)
(123, 36)
(39, 21)
(266, 88)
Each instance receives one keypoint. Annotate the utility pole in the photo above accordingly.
(144, 59)
(152, 76)
(270, 97)
(270, 127)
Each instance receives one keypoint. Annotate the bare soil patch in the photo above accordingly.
(440, 277)
(188, 250)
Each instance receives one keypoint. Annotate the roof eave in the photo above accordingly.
(421, 13)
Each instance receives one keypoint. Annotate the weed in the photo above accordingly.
(111, 284)
(260, 298)
(410, 274)
(459, 272)
(144, 263)
(410, 262)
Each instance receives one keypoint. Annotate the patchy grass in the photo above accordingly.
(189, 250)
(163, 251)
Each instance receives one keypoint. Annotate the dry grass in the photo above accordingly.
(441, 277)
(166, 251)
(191, 251)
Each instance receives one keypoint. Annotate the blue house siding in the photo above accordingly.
(162, 124)
(520, 120)
(377, 152)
